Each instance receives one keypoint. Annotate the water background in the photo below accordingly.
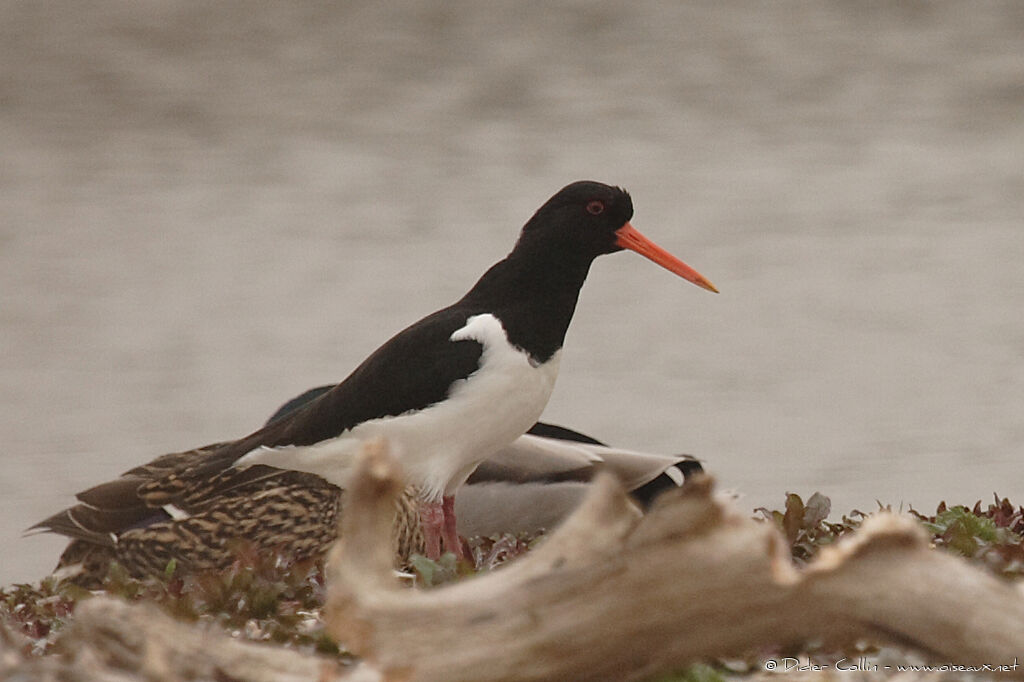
(206, 208)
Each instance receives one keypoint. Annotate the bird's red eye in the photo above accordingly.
(595, 207)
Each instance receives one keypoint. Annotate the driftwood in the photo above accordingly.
(609, 595)
(612, 596)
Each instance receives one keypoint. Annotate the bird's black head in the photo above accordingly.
(533, 291)
(582, 218)
(587, 219)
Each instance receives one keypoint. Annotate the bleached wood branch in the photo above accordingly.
(613, 596)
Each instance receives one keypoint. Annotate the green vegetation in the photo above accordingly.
(989, 536)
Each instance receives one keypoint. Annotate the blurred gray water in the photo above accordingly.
(206, 208)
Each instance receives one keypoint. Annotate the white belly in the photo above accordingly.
(440, 446)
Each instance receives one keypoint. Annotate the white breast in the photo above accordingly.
(440, 446)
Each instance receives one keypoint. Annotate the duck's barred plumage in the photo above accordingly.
(293, 513)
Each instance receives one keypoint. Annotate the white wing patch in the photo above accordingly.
(176, 513)
(675, 474)
(484, 328)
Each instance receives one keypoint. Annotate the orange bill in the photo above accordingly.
(628, 237)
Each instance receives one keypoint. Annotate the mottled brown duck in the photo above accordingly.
(526, 487)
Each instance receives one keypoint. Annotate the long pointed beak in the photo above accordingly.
(628, 237)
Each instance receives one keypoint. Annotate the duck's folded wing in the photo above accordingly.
(636, 469)
(144, 495)
(537, 459)
(540, 459)
(536, 482)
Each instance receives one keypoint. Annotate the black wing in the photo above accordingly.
(298, 401)
(412, 371)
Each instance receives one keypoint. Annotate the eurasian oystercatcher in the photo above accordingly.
(446, 392)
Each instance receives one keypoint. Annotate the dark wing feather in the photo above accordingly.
(561, 433)
(298, 401)
(121, 504)
(175, 461)
(66, 523)
(491, 471)
(117, 494)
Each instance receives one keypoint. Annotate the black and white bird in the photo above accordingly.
(533, 483)
(446, 392)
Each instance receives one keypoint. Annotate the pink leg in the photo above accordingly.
(432, 518)
(452, 542)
